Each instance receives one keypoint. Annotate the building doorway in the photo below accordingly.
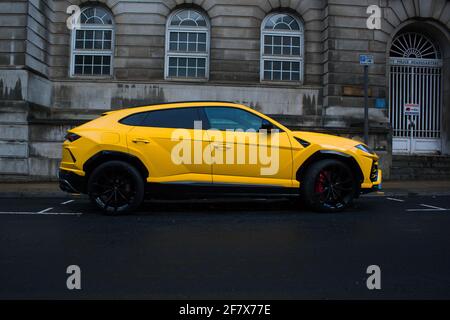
(415, 85)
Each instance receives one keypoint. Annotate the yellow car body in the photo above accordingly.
(150, 150)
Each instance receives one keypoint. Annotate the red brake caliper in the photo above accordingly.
(320, 183)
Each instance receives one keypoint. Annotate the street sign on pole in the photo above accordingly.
(412, 112)
(366, 60)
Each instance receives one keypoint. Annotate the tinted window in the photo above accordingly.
(172, 118)
(134, 120)
(232, 119)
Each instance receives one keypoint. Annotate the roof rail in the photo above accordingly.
(191, 101)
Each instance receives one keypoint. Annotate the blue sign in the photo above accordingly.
(380, 103)
(365, 59)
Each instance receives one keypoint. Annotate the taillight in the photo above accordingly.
(72, 136)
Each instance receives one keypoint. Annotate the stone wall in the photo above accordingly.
(38, 36)
(348, 36)
(140, 33)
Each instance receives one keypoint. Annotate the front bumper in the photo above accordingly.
(71, 182)
(375, 185)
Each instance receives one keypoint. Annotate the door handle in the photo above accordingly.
(140, 140)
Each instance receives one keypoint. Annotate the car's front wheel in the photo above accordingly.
(116, 187)
(328, 186)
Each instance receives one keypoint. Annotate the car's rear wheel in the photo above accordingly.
(328, 186)
(116, 187)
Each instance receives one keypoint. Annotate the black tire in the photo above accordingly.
(328, 186)
(116, 187)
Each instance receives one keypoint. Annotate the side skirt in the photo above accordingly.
(197, 190)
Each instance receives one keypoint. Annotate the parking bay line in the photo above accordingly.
(394, 199)
(41, 213)
(429, 208)
(67, 202)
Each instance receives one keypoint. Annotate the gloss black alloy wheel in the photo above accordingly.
(328, 186)
(116, 187)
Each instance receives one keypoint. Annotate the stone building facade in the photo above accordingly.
(134, 53)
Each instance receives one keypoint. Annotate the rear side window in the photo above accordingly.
(182, 118)
(135, 119)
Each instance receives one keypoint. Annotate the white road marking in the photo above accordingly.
(66, 202)
(41, 213)
(394, 199)
(432, 207)
(45, 210)
(429, 208)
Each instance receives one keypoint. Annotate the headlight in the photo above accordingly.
(364, 148)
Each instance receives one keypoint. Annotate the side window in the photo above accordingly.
(182, 118)
(232, 119)
(134, 120)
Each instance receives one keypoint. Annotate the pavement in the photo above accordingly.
(256, 249)
(416, 187)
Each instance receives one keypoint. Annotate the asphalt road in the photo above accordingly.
(229, 250)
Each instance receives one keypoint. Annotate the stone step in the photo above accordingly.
(443, 170)
(408, 177)
(420, 161)
(434, 158)
(418, 167)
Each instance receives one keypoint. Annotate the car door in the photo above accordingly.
(167, 140)
(244, 155)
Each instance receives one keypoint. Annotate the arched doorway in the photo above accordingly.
(415, 85)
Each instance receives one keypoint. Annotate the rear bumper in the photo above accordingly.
(71, 182)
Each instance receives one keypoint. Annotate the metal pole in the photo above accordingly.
(411, 123)
(366, 104)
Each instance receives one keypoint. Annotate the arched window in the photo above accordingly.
(187, 45)
(282, 50)
(412, 45)
(93, 43)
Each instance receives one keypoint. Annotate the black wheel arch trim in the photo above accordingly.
(338, 153)
(331, 154)
(106, 155)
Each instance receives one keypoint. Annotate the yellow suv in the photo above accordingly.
(191, 149)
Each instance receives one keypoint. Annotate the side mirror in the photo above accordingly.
(267, 125)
